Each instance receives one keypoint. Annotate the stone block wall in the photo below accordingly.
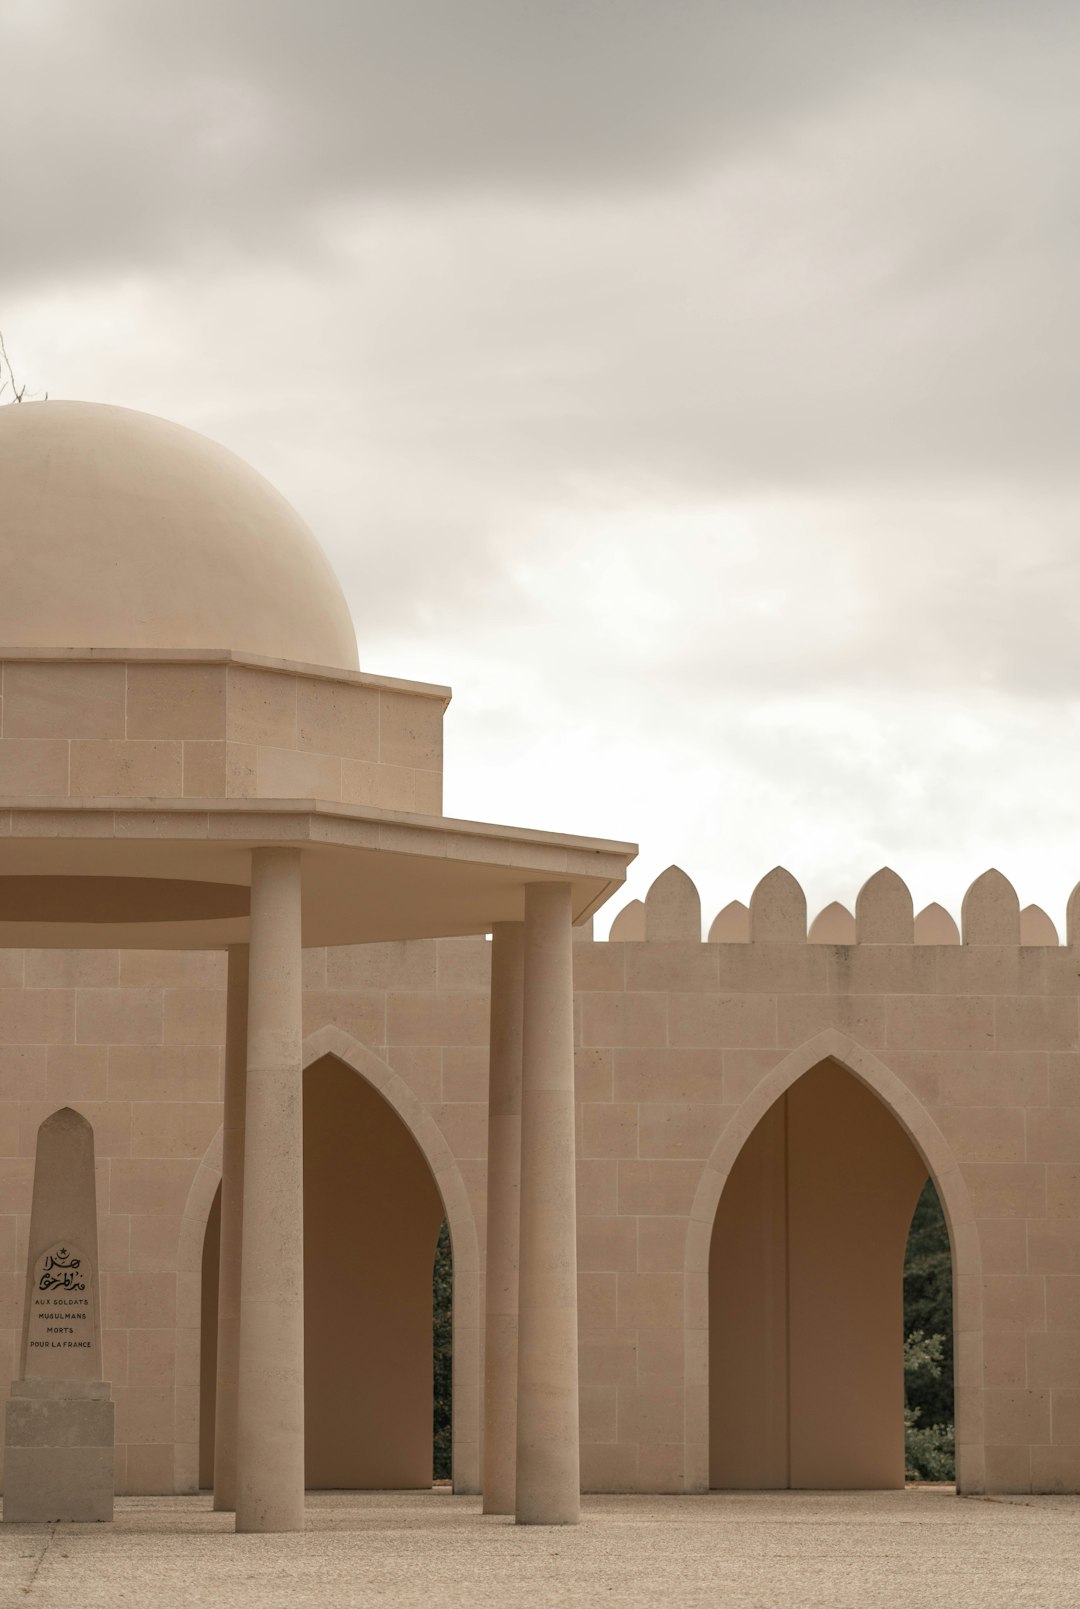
(200, 727)
(682, 1048)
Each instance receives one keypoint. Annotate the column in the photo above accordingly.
(503, 1179)
(270, 1415)
(232, 1217)
(548, 1474)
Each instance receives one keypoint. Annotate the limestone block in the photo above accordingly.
(883, 910)
(119, 1016)
(833, 925)
(688, 965)
(683, 1074)
(1007, 1190)
(262, 707)
(658, 1188)
(1063, 1182)
(1065, 1405)
(661, 1245)
(679, 1129)
(205, 770)
(607, 1245)
(649, 1301)
(624, 1019)
(1055, 1469)
(410, 730)
(56, 700)
(934, 925)
(594, 1078)
(1054, 1246)
(185, 701)
(991, 911)
(719, 1020)
(608, 1357)
(289, 774)
(777, 910)
(383, 966)
(337, 718)
(33, 767)
(138, 768)
(672, 908)
(731, 925)
(464, 963)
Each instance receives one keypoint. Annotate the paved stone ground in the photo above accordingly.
(898, 1550)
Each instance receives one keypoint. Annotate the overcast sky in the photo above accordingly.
(692, 385)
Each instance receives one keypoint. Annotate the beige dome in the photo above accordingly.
(121, 530)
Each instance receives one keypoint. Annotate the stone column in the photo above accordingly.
(548, 1462)
(503, 1180)
(270, 1412)
(232, 1218)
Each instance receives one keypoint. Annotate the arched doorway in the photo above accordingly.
(372, 1214)
(806, 1292)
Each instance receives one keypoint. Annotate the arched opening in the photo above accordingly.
(806, 1293)
(372, 1216)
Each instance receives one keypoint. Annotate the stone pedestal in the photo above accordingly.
(58, 1451)
(58, 1428)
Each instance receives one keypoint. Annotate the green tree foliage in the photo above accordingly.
(928, 1348)
(442, 1303)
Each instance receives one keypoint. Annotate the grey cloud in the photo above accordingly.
(148, 131)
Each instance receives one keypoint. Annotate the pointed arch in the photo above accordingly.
(433, 1146)
(913, 1117)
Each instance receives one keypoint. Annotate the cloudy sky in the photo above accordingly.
(691, 384)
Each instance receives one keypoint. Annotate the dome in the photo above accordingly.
(121, 530)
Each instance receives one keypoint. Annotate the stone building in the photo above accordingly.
(752, 1118)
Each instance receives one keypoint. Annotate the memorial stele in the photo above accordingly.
(297, 1018)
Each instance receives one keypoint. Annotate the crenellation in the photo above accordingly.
(1072, 917)
(731, 925)
(883, 915)
(883, 910)
(1036, 928)
(990, 913)
(778, 910)
(833, 925)
(672, 909)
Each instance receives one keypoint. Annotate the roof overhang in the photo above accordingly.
(369, 875)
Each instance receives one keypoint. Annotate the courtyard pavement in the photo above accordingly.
(746, 1550)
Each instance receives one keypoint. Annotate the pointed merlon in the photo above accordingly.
(834, 925)
(1036, 927)
(673, 909)
(883, 910)
(778, 910)
(1072, 917)
(990, 913)
(934, 925)
(629, 925)
(731, 925)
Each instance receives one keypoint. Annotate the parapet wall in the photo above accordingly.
(884, 914)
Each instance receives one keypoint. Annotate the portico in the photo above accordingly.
(183, 795)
